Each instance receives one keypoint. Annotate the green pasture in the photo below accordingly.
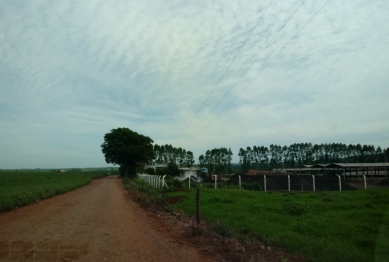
(21, 188)
(325, 226)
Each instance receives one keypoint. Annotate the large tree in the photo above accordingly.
(127, 148)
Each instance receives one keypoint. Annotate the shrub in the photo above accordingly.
(220, 227)
(173, 183)
(150, 171)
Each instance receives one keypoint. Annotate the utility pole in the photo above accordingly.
(165, 163)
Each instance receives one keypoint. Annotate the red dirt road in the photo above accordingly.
(93, 223)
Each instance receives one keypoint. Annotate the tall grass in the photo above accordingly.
(147, 196)
(331, 226)
(21, 188)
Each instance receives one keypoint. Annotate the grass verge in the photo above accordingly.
(329, 226)
(22, 188)
(147, 196)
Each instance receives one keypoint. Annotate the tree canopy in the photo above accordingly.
(169, 154)
(217, 160)
(127, 148)
(299, 154)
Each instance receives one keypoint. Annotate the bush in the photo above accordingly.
(161, 171)
(150, 171)
(221, 227)
(254, 186)
(174, 183)
(173, 170)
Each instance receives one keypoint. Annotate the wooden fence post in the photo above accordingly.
(198, 205)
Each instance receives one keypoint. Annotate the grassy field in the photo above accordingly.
(21, 188)
(330, 226)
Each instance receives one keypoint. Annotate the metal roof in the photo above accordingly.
(350, 165)
(190, 168)
(157, 165)
(303, 169)
(320, 165)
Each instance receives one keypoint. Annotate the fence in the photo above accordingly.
(157, 182)
(287, 178)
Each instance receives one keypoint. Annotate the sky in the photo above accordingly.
(194, 74)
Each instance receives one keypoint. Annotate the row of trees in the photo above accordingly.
(131, 150)
(218, 160)
(299, 154)
(169, 154)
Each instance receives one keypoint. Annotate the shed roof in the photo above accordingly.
(303, 169)
(190, 168)
(320, 166)
(157, 165)
(350, 165)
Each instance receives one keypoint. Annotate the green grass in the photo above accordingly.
(331, 226)
(21, 188)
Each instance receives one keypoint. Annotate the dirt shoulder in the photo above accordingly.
(97, 222)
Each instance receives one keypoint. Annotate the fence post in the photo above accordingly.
(288, 183)
(189, 181)
(215, 181)
(240, 183)
(163, 181)
(313, 182)
(264, 182)
(198, 206)
(340, 183)
(364, 178)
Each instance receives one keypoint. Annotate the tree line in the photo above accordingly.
(165, 154)
(217, 160)
(299, 154)
(132, 151)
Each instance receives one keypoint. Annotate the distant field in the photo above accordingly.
(21, 188)
(330, 226)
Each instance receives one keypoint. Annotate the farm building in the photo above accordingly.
(190, 171)
(345, 169)
(156, 166)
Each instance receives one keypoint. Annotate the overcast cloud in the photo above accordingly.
(71, 71)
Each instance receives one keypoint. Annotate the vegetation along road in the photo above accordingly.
(93, 223)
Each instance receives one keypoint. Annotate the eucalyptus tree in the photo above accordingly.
(217, 160)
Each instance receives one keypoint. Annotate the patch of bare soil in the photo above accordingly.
(181, 190)
(175, 199)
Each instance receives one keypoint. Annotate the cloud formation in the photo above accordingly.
(73, 70)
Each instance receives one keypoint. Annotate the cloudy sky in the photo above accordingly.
(195, 74)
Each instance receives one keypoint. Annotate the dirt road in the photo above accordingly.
(93, 223)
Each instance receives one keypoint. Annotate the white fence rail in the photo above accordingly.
(157, 182)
